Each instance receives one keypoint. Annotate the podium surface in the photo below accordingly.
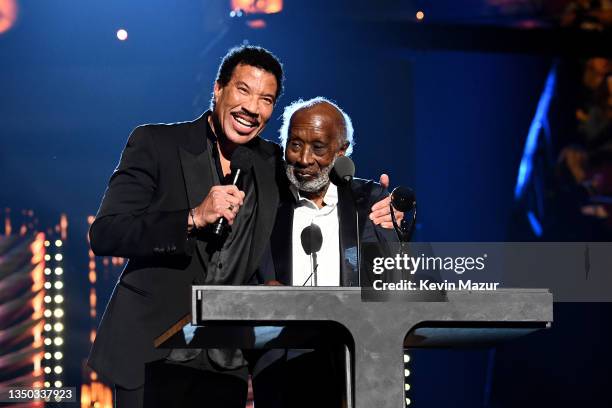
(376, 333)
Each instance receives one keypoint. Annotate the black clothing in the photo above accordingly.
(164, 171)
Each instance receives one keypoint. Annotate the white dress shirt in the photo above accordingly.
(328, 257)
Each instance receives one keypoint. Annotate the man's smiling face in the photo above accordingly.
(244, 105)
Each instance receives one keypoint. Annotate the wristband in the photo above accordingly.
(191, 212)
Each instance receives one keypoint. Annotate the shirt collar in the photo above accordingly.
(330, 199)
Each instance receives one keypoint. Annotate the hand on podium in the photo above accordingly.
(273, 282)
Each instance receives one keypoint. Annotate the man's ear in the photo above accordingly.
(217, 90)
(342, 150)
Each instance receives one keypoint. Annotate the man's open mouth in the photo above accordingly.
(245, 121)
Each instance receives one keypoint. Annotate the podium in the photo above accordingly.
(375, 333)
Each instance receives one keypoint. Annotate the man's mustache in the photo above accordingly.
(251, 115)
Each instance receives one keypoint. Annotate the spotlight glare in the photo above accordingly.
(59, 285)
(58, 313)
(48, 341)
(406, 373)
(406, 358)
(58, 299)
(58, 327)
(47, 384)
(47, 299)
(47, 285)
(47, 243)
(58, 384)
(47, 257)
(58, 355)
(58, 369)
(58, 257)
(47, 313)
(59, 271)
(58, 243)
(47, 356)
(47, 271)
(47, 327)
(122, 34)
(58, 341)
(420, 15)
(47, 370)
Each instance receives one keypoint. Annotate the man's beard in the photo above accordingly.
(310, 186)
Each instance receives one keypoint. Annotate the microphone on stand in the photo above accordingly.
(312, 240)
(242, 161)
(403, 199)
(343, 171)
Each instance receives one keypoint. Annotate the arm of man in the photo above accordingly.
(127, 225)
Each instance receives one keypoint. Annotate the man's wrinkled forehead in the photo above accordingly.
(318, 117)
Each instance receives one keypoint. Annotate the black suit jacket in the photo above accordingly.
(278, 262)
(164, 171)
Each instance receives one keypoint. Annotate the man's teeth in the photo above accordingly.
(243, 122)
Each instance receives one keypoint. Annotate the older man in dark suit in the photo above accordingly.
(314, 134)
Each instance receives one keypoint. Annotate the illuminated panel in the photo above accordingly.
(257, 24)
(93, 392)
(22, 261)
(54, 327)
(257, 6)
(38, 280)
(7, 222)
(406, 375)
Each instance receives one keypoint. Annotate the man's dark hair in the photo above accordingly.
(254, 56)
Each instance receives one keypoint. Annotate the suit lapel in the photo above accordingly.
(281, 243)
(195, 162)
(349, 271)
(196, 167)
(267, 202)
(196, 172)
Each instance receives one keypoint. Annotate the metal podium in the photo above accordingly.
(375, 333)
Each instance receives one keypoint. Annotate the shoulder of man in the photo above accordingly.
(267, 148)
(167, 135)
(368, 189)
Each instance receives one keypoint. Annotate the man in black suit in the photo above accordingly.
(165, 194)
(161, 202)
(314, 134)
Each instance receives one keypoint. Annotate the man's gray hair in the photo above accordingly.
(302, 104)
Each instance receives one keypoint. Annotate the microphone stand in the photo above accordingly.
(314, 265)
(349, 183)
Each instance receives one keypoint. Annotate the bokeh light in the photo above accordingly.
(122, 34)
(8, 14)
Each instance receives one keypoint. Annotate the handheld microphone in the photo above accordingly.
(312, 240)
(403, 199)
(242, 161)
